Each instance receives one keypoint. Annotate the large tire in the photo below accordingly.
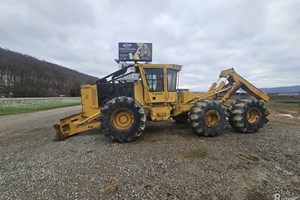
(182, 118)
(123, 119)
(207, 118)
(247, 115)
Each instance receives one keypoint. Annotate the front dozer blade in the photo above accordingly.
(77, 123)
(86, 120)
(59, 135)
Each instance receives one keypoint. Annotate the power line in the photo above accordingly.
(21, 42)
(24, 42)
(22, 45)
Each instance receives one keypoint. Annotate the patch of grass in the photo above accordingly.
(282, 104)
(24, 105)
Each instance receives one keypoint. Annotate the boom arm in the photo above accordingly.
(223, 91)
(236, 82)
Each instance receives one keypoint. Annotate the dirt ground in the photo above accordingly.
(168, 162)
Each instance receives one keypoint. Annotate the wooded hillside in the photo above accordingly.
(25, 76)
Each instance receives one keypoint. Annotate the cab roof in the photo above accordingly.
(168, 66)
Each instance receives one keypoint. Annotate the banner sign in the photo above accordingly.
(135, 51)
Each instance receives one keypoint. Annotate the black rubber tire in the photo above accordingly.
(237, 115)
(137, 126)
(182, 118)
(196, 117)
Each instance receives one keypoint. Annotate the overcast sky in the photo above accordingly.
(259, 38)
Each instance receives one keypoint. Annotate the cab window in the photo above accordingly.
(172, 79)
(154, 79)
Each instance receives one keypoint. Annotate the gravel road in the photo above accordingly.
(168, 162)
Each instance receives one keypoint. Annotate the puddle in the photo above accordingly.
(285, 115)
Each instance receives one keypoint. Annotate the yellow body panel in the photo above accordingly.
(157, 97)
(89, 99)
(181, 107)
(172, 97)
(186, 96)
(160, 113)
(138, 93)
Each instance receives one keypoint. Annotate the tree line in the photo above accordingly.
(25, 76)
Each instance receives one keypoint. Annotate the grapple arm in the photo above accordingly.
(236, 82)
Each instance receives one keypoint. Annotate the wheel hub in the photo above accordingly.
(212, 118)
(253, 116)
(122, 119)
